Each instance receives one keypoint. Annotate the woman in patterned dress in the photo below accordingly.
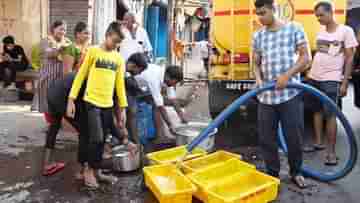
(51, 51)
(75, 53)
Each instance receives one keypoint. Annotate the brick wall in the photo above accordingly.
(72, 11)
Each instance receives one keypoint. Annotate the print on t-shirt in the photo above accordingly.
(106, 64)
(332, 48)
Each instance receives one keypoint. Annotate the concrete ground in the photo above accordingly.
(22, 135)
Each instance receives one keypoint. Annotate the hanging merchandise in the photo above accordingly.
(180, 19)
(195, 23)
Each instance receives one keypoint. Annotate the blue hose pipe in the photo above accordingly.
(325, 177)
(281, 139)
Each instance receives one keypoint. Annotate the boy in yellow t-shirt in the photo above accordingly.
(104, 70)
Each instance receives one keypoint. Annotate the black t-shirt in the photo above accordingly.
(59, 91)
(132, 87)
(16, 52)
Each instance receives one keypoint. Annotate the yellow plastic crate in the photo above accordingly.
(251, 186)
(207, 161)
(172, 155)
(216, 174)
(168, 184)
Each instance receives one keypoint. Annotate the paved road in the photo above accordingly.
(20, 156)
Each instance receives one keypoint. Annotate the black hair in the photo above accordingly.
(139, 60)
(327, 6)
(174, 72)
(80, 27)
(115, 28)
(56, 24)
(8, 40)
(262, 3)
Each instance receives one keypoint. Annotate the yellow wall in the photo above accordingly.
(26, 20)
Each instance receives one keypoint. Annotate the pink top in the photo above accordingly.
(328, 63)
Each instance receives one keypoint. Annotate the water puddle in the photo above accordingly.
(17, 186)
(14, 197)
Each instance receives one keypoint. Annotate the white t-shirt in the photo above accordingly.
(128, 47)
(154, 77)
(353, 4)
(141, 38)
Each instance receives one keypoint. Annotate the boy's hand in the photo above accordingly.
(121, 119)
(70, 110)
(184, 120)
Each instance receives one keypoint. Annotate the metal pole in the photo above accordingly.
(170, 13)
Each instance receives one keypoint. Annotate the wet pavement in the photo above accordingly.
(21, 138)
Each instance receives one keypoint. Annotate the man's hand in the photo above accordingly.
(172, 129)
(184, 120)
(282, 81)
(133, 148)
(6, 57)
(259, 82)
(70, 110)
(343, 88)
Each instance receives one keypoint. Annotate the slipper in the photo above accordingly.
(319, 147)
(309, 149)
(54, 168)
(331, 161)
(299, 181)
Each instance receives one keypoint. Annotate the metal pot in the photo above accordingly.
(123, 161)
(185, 134)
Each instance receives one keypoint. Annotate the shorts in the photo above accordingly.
(330, 89)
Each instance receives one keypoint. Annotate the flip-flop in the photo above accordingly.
(299, 181)
(319, 147)
(309, 149)
(331, 162)
(54, 168)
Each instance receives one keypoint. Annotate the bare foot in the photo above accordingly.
(89, 178)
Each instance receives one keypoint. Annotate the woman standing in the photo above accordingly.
(75, 53)
(51, 51)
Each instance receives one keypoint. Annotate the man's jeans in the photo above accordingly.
(290, 114)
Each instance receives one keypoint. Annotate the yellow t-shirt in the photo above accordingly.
(104, 71)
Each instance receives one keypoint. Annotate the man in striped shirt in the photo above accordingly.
(280, 54)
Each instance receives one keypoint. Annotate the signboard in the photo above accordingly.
(285, 10)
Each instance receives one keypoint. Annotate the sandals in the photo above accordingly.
(299, 181)
(331, 160)
(106, 178)
(314, 148)
(319, 147)
(53, 168)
